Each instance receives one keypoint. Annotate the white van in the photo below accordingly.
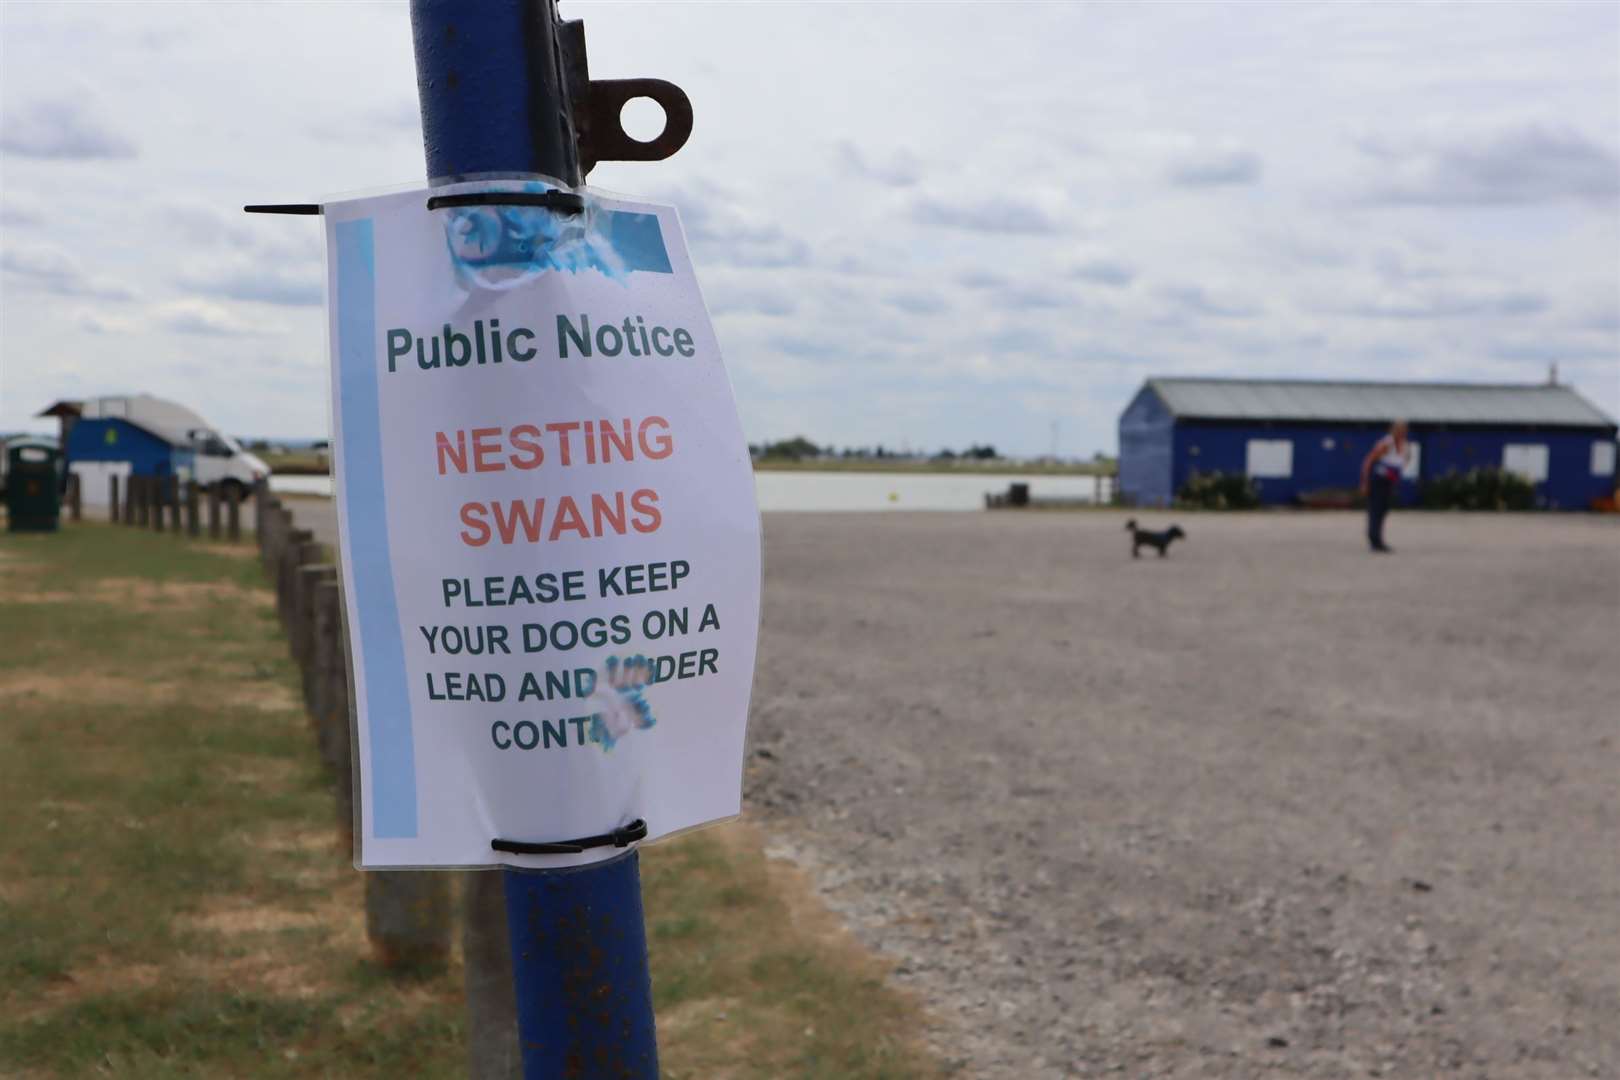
(218, 459)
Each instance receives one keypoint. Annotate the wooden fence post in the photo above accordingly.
(262, 530)
(233, 514)
(268, 539)
(407, 912)
(493, 1050)
(306, 641)
(75, 502)
(171, 489)
(275, 552)
(281, 523)
(213, 511)
(336, 743)
(192, 528)
(261, 508)
(112, 498)
(300, 549)
(159, 490)
(294, 539)
(274, 536)
(143, 508)
(324, 705)
(408, 919)
(308, 553)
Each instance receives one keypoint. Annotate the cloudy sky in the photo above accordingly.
(914, 224)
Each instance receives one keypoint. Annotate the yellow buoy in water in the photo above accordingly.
(894, 496)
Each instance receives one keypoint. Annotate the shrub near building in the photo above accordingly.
(1218, 491)
(1479, 489)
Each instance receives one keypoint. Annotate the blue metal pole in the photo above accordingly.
(491, 82)
(495, 99)
(579, 965)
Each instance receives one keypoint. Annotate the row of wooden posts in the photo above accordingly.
(408, 913)
(146, 501)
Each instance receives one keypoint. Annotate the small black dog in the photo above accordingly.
(1160, 540)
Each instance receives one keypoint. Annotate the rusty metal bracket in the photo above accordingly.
(598, 104)
(601, 128)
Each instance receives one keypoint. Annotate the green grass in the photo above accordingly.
(173, 901)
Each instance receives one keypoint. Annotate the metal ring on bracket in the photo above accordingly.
(601, 130)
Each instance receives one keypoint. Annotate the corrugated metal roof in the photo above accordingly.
(1420, 403)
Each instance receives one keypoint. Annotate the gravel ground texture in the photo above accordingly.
(1273, 805)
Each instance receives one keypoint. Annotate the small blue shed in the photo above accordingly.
(1294, 437)
(114, 439)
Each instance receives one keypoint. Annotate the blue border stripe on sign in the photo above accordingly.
(388, 699)
(639, 241)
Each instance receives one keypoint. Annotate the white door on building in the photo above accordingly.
(94, 480)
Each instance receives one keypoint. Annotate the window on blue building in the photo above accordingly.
(1268, 458)
(1529, 460)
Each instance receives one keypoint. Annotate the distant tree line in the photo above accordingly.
(800, 448)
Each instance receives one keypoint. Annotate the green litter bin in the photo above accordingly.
(33, 487)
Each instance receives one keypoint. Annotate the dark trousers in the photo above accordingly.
(1379, 494)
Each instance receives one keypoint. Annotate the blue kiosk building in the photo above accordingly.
(1293, 437)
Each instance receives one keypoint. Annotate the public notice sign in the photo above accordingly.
(550, 541)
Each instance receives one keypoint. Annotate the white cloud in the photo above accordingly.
(50, 269)
(18, 210)
(917, 301)
(981, 279)
(1214, 167)
(287, 286)
(1003, 211)
(895, 168)
(1103, 270)
(1519, 164)
(1445, 302)
(204, 318)
(68, 129)
(727, 298)
(1197, 300)
(1087, 196)
(723, 230)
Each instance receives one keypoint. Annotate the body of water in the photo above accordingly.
(849, 490)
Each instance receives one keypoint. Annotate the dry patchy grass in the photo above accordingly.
(175, 902)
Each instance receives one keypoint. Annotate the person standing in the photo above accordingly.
(1380, 476)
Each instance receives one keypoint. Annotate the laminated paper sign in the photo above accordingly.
(550, 542)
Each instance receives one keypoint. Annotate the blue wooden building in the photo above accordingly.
(1295, 437)
(117, 440)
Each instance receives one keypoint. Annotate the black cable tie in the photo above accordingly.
(564, 202)
(623, 836)
(283, 208)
